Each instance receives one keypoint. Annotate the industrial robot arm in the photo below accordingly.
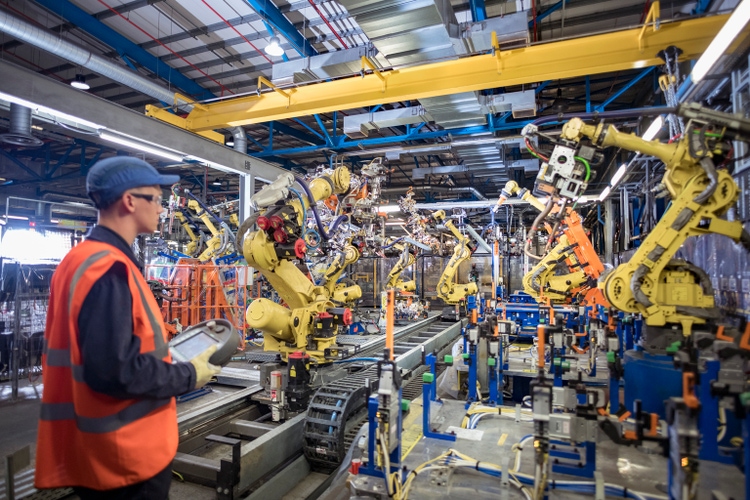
(311, 321)
(195, 241)
(544, 284)
(405, 260)
(663, 290)
(342, 292)
(573, 247)
(447, 289)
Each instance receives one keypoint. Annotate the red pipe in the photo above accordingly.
(327, 23)
(533, 13)
(646, 7)
(170, 50)
(235, 30)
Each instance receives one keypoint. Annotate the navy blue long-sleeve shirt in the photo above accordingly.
(112, 363)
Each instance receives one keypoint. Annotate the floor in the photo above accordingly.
(639, 469)
(642, 470)
(18, 420)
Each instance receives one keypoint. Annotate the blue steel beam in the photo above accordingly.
(478, 12)
(125, 47)
(64, 158)
(624, 89)
(322, 126)
(341, 142)
(309, 128)
(547, 13)
(267, 10)
(701, 6)
(293, 132)
(19, 164)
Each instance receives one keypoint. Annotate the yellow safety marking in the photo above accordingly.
(409, 440)
(412, 428)
(502, 439)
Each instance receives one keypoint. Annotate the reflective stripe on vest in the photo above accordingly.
(160, 348)
(101, 425)
(61, 358)
(79, 272)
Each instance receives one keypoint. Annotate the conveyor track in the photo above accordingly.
(338, 409)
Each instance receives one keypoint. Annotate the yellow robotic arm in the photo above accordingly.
(194, 245)
(306, 324)
(215, 244)
(573, 247)
(447, 289)
(405, 260)
(545, 285)
(342, 292)
(664, 290)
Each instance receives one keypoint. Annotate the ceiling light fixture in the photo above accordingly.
(216, 183)
(619, 174)
(141, 147)
(80, 82)
(388, 208)
(654, 128)
(52, 112)
(722, 41)
(274, 47)
(229, 143)
(604, 194)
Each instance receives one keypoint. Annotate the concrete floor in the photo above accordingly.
(637, 469)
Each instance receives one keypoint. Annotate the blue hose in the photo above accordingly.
(299, 197)
(339, 220)
(393, 243)
(313, 207)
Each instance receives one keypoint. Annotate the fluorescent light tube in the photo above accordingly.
(722, 41)
(140, 146)
(604, 194)
(388, 208)
(619, 174)
(43, 109)
(654, 128)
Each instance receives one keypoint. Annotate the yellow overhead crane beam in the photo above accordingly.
(616, 51)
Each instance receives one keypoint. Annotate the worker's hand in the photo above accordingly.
(204, 371)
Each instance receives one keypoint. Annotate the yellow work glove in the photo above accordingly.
(204, 371)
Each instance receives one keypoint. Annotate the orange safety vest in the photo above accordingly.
(87, 438)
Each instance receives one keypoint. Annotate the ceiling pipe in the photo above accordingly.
(19, 128)
(240, 140)
(442, 189)
(52, 43)
(422, 148)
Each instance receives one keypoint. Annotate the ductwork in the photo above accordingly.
(323, 66)
(54, 44)
(520, 104)
(511, 30)
(240, 139)
(19, 128)
(359, 126)
(419, 31)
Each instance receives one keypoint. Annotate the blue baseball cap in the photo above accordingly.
(110, 178)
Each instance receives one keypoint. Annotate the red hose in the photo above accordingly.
(328, 24)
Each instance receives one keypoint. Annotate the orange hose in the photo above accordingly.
(540, 346)
(389, 318)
